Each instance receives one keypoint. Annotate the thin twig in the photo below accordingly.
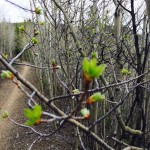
(113, 109)
(37, 139)
(80, 139)
(19, 6)
(28, 46)
(22, 125)
(30, 65)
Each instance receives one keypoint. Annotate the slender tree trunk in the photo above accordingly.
(148, 10)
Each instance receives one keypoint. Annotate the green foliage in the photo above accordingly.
(4, 114)
(18, 45)
(125, 72)
(34, 116)
(21, 29)
(85, 113)
(34, 40)
(94, 55)
(54, 63)
(38, 11)
(96, 97)
(91, 70)
(87, 27)
(97, 22)
(41, 23)
(76, 91)
(5, 56)
(6, 74)
(126, 36)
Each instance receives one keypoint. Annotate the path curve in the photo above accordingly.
(10, 97)
(13, 137)
(13, 95)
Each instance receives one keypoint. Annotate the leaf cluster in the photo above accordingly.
(91, 70)
(96, 97)
(34, 116)
(6, 74)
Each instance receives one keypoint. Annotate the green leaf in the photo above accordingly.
(6, 74)
(125, 71)
(34, 40)
(28, 113)
(33, 115)
(76, 91)
(41, 23)
(96, 97)
(91, 70)
(94, 55)
(30, 122)
(85, 65)
(5, 56)
(85, 112)
(38, 11)
(21, 29)
(3, 75)
(101, 69)
(37, 111)
(92, 67)
(4, 114)
(54, 63)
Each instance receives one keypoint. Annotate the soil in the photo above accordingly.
(14, 137)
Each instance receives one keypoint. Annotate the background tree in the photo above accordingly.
(115, 33)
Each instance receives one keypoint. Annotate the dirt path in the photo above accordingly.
(11, 100)
(12, 93)
(14, 137)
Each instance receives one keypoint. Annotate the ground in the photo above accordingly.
(13, 137)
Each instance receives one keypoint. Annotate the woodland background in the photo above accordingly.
(65, 32)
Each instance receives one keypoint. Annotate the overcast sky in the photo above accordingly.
(12, 13)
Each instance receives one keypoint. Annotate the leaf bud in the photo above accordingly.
(85, 113)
